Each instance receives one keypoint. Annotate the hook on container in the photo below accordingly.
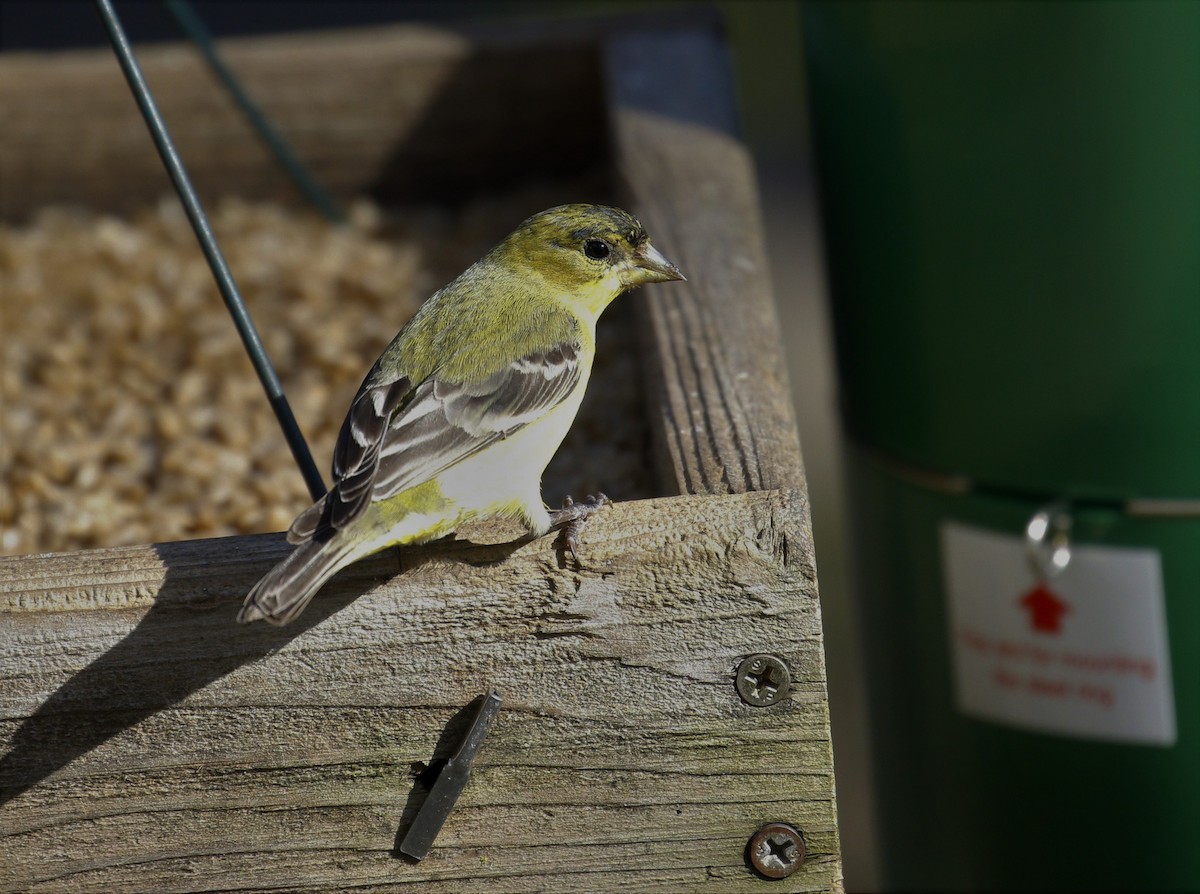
(1048, 539)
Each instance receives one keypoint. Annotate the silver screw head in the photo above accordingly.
(762, 680)
(776, 850)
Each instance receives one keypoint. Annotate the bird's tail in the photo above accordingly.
(287, 588)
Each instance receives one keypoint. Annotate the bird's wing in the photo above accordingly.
(446, 421)
(396, 437)
(355, 456)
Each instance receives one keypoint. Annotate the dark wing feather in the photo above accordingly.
(395, 436)
(356, 455)
(355, 458)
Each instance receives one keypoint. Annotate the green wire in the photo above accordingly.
(191, 23)
(212, 252)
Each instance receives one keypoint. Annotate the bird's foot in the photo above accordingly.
(571, 519)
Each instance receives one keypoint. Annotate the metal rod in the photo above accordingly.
(191, 23)
(212, 252)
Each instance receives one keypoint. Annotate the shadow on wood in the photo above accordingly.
(498, 120)
(142, 674)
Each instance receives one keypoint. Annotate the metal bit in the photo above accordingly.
(450, 782)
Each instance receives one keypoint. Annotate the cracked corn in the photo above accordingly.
(129, 412)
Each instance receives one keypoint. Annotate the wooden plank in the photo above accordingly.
(150, 743)
(405, 112)
(724, 421)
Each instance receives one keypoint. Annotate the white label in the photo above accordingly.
(1084, 654)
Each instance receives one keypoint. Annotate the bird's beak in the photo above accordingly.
(650, 266)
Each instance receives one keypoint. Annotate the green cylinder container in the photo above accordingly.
(1011, 200)
(968, 804)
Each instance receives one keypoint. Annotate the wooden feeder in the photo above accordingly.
(151, 743)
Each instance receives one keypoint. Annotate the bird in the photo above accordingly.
(462, 412)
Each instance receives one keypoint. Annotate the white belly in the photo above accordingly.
(509, 471)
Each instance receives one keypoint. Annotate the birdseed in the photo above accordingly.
(129, 412)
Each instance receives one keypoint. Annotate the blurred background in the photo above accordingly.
(993, 211)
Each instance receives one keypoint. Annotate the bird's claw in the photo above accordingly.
(571, 518)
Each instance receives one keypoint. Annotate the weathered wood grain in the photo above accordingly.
(150, 743)
(723, 419)
(405, 112)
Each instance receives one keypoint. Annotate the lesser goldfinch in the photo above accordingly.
(460, 415)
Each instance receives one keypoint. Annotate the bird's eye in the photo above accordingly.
(596, 249)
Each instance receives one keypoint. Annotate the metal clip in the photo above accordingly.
(450, 782)
(1048, 540)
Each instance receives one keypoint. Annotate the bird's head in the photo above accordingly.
(591, 252)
